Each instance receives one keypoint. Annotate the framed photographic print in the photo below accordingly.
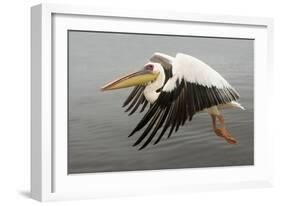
(137, 102)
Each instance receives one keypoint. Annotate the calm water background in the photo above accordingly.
(98, 126)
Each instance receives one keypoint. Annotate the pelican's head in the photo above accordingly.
(147, 75)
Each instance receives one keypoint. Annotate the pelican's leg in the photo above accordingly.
(221, 132)
(214, 125)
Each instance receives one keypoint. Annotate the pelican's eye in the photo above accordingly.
(149, 67)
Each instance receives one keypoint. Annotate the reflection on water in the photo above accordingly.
(98, 126)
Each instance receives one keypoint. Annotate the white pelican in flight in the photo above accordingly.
(176, 88)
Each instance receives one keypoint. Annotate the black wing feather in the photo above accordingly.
(148, 128)
(144, 105)
(136, 97)
(140, 101)
(131, 95)
(167, 123)
(145, 119)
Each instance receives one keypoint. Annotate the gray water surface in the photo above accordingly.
(98, 126)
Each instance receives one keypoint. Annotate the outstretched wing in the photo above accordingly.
(194, 87)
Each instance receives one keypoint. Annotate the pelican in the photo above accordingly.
(176, 88)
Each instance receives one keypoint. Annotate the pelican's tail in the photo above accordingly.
(237, 105)
(232, 104)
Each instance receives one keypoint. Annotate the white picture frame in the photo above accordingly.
(49, 178)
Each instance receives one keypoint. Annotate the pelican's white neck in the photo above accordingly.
(150, 91)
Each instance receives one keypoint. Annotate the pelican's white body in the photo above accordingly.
(215, 110)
